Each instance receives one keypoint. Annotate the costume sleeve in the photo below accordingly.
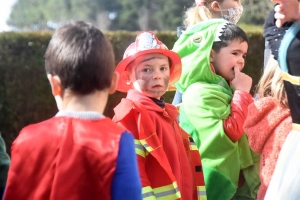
(130, 124)
(126, 182)
(233, 125)
(265, 121)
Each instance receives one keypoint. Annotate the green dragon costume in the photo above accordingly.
(206, 102)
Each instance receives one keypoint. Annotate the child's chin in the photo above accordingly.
(155, 96)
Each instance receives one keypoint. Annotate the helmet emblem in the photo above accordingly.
(146, 41)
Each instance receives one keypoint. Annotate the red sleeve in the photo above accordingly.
(233, 125)
(130, 123)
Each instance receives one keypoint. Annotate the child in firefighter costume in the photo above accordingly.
(168, 159)
(286, 177)
(213, 112)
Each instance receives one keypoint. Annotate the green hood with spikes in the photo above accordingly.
(206, 103)
(194, 47)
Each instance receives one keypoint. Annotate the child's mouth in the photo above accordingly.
(156, 86)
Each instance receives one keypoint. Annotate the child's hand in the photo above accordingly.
(241, 81)
(287, 10)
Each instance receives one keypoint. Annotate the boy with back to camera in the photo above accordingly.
(169, 162)
(79, 153)
(214, 107)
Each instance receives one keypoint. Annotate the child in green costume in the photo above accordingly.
(215, 104)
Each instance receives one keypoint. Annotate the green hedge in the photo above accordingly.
(25, 96)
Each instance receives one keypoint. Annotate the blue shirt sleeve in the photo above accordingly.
(126, 183)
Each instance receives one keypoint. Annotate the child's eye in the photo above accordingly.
(235, 54)
(244, 56)
(163, 68)
(146, 70)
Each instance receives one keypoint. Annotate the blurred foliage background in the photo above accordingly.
(111, 15)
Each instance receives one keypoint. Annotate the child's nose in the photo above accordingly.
(157, 74)
(241, 63)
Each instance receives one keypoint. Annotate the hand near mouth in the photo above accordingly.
(287, 10)
(241, 80)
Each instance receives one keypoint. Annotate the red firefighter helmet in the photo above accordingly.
(146, 42)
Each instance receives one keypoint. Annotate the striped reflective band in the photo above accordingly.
(148, 193)
(140, 149)
(201, 193)
(146, 145)
(167, 192)
(193, 146)
(295, 80)
(296, 127)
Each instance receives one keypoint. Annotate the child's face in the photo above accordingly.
(229, 57)
(150, 74)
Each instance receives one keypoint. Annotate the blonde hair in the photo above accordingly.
(197, 13)
(271, 83)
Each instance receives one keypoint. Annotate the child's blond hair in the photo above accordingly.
(271, 83)
(198, 13)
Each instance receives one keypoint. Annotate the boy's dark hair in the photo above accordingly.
(82, 57)
(231, 33)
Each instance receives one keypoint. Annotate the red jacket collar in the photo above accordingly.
(135, 95)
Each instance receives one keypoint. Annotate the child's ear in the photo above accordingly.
(126, 76)
(215, 6)
(55, 84)
(113, 84)
(211, 56)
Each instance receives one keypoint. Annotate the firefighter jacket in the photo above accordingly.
(168, 159)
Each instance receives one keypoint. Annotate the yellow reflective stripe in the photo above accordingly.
(295, 80)
(146, 145)
(148, 193)
(193, 146)
(296, 127)
(167, 192)
(140, 149)
(201, 191)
